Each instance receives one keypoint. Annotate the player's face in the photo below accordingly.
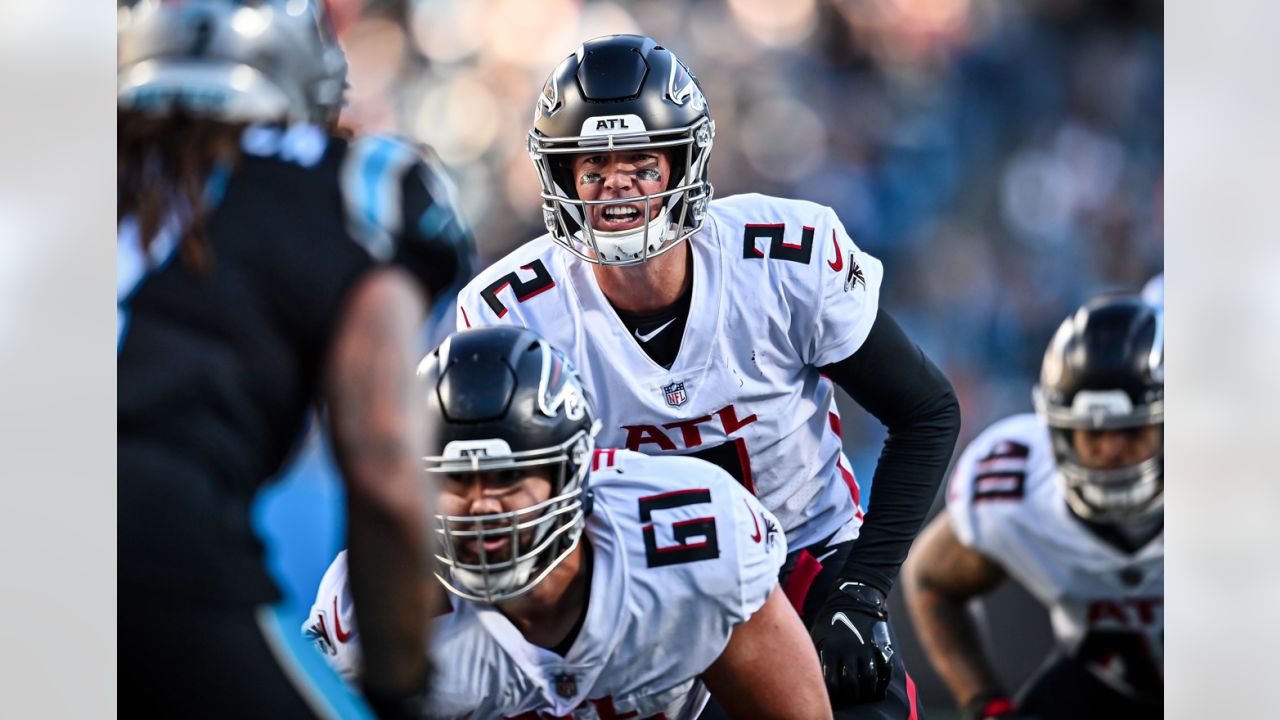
(1110, 449)
(490, 493)
(621, 174)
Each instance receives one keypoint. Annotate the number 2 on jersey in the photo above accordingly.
(523, 289)
(779, 248)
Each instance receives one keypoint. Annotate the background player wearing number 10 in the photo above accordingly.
(720, 329)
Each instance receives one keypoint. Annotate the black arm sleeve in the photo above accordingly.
(893, 380)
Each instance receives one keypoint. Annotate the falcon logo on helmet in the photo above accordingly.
(549, 100)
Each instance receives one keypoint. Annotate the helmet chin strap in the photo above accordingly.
(1124, 496)
(520, 578)
(499, 583)
(629, 244)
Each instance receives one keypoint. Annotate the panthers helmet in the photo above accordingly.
(504, 399)
(232, 60)
(622, 92)
(1104, 369)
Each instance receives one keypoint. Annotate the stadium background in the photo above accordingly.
(1003, 159)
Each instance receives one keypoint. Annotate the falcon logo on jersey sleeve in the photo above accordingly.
(319, 634)
(771, 532)
(855, 275)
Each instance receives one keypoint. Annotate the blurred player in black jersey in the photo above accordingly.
(263, 263)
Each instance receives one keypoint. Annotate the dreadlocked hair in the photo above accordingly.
(162, 166)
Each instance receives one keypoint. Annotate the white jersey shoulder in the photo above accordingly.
(993, 477)
(1106, 605)
(331, 624)
(779, 289)
(522, 274)
(681, 555)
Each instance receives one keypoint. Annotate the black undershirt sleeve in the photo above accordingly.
(893, 380)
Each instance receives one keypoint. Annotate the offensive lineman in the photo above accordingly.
(1069, 502)
(245, 293)
(598, 583)
(717, 329)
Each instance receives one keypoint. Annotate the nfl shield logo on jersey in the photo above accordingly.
(566, 685)
(675, 394)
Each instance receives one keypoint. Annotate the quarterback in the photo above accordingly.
(719, 329)
(1069, 502)
(585, 582)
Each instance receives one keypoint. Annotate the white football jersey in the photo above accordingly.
(681, 556)
(779, 289)
(1106, 605)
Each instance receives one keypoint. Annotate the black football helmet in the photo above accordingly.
(504, 399)
(1104, 369)
(622, 92)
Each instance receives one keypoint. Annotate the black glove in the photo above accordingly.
(851, 634)
(993, 707)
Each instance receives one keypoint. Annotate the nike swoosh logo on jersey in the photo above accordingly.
(757, 536)
(649, 336)
(838, 265)
(826, 555)
(845, 619)
(337, 623)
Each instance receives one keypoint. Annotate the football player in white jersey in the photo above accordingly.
(586, 583)
(1069, 502)
(719, 329)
